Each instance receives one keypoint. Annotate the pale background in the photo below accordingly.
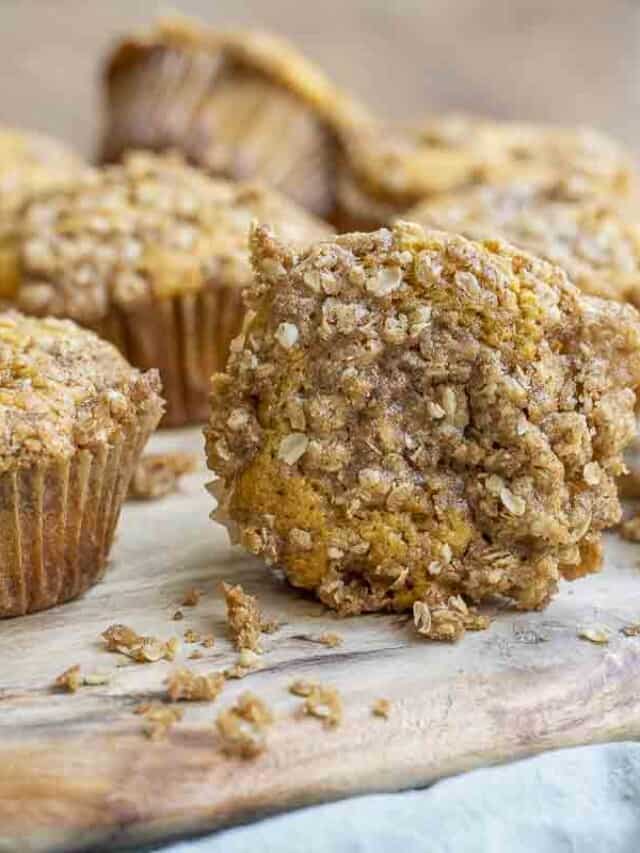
(562, 60)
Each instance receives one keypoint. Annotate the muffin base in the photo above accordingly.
(186, 337)
(58, 522)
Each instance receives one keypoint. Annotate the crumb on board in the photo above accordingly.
(178, 616)
(158, 474)
(192, 597)
(630, 529)
(208, 641)
(300, 687)
(247, 662)
(447, 622)
(324, 703)
(184, 684)
(245, 619)
(122, 639)
(596, 634)
(242, 728)
(71, 679)
(195, 655)
(191, 636)
(381, 708)
(631, 630)
(327, 639)
(158, 718)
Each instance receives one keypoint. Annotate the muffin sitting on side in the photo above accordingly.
(239, 104)
(153, 256)
(74, 417)
(414, 417)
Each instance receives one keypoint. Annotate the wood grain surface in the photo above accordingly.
(575, 61)
(77, 772)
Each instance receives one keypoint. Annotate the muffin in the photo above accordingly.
(596, 245)
(385, 170)
(30, 163)
(74, 417)
(414, 417)
(240, 105)
(151, 254)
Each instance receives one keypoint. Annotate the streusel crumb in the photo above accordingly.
(244, 617)
(120, 638)
(158, 719)
(424, 419)
(242, 728)
(324, 703)
(381, 708)
(184, 684)
(158, 474)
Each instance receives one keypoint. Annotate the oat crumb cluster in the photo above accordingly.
(414, 417)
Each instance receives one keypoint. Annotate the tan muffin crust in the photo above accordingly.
(152, 228)
(387, 169)
(411, 416)
(63, 389)
(597, 246)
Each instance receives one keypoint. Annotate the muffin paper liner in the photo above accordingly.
(186, 337)
(58, 521)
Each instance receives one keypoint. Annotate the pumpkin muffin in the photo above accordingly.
(596, 244)
(385, 170)
(151, 254)
(30, 163)
(238, 104)
(74, 417)
(410, 416)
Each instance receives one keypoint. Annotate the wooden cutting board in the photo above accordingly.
(77, 773)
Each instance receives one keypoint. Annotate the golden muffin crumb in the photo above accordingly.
(70, 679)
(324, 703)
(410, 416)
(244, 617)
(158, 474)
(158, 719)
(192, 597)
(381, 708)
(242, 728)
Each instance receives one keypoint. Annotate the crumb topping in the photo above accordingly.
(147, 229)
(243, 727)
(158, 474)
(324, 703)
(245, 619)
(594, 243)
(64, 389)
(381, 708)
(449, 422)
(158, 719)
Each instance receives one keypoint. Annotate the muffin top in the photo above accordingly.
(30, 163)
(395, 167)
(413, 416)
(260, 52)
(152, 227)
(63, 389)
(590, 239)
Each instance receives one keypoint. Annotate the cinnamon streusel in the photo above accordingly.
(152, 254)
(410, 416)
(74, 417)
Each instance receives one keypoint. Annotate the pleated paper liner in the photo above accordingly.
(58, 521)
(233, 123)
(186, 337)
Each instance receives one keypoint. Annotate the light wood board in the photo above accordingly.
(76, 772)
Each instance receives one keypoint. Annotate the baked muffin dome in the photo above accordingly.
(152, 254)
(414, 417)
(74, 417)
(241, 105)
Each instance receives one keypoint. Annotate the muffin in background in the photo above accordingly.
(152, 254)
(74, 417)
(384, 170)
(596, 244)
(238, 104)
(30, 163)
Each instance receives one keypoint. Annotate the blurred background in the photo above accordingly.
(568, 61)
